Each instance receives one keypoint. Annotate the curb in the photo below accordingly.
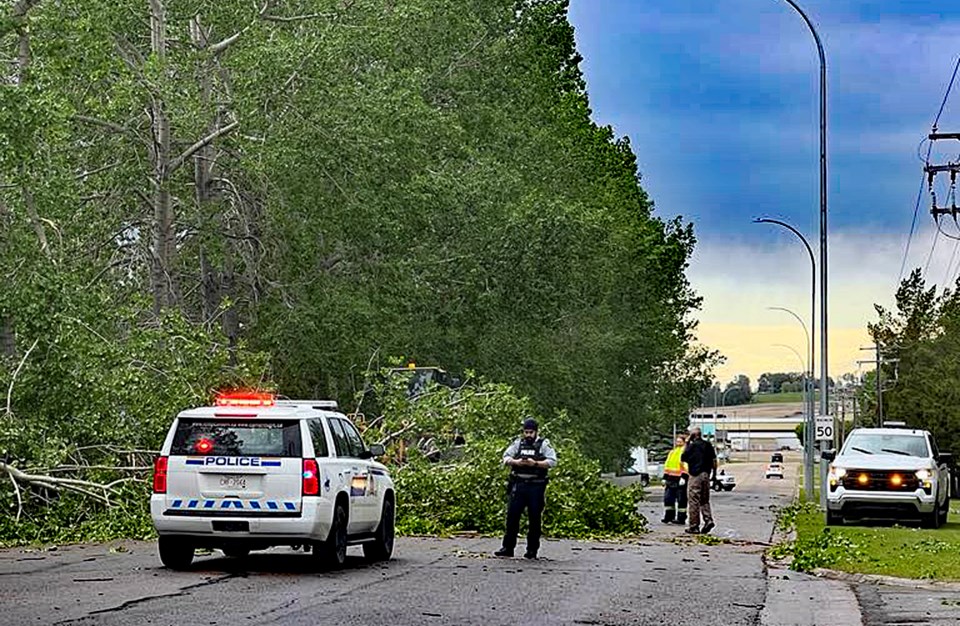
(893, 581)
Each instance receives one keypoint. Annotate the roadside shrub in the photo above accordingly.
(465, 490)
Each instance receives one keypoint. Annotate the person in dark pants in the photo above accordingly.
(701, 460)
(529, 458)
(675, 485)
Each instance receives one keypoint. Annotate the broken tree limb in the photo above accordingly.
(16, 372)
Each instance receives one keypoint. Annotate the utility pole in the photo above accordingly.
(950, 168)
(879, 361)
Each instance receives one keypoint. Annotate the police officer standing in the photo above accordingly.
(675, 485)
(529, 458)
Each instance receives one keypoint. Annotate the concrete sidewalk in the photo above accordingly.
(795, 599)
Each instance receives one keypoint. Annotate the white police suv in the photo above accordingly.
(255, 472)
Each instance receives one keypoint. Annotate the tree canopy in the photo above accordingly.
(203, 193)
(920, 345)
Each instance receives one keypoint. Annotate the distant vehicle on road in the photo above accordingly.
(888, 473)
(774, 470)
(724, 481)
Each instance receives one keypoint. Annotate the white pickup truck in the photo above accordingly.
(888, 473)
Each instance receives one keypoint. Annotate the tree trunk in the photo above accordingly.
(163, 281)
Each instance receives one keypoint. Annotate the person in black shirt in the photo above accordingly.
(701, 460)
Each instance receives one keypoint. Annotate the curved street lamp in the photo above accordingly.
(808, 430)
(794, 350)
(824, 391)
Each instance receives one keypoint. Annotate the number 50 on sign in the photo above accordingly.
(824, 428)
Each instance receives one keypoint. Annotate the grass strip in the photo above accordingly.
(889, 550)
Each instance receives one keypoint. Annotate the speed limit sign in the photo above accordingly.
(824, 428)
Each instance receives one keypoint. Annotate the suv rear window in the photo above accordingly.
(236, 438)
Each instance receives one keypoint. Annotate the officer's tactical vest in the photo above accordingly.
(529, 451)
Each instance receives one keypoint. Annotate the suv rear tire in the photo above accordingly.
(332, 553)
(381, 548)
(175, 553)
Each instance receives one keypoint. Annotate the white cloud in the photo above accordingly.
(739, 281)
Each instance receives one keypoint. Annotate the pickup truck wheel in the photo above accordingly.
(175, 553)
(931, 519)
(834, 519)
(944, 512)
(332, 553)
(381, 548)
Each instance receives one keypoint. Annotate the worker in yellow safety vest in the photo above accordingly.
(675, 485)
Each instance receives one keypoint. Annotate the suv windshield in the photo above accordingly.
(876, 443)
(236, 438)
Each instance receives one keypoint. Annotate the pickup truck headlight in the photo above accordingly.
(924, 474)
(834, 476)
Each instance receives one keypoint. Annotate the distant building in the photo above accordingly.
(751, 426)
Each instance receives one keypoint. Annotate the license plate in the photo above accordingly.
(233, 482)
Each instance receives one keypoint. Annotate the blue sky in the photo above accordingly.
(720, 101)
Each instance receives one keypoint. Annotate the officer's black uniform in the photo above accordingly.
(527, 490)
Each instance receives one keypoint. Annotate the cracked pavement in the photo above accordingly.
(662, 577)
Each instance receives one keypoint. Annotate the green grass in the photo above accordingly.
(902, 551)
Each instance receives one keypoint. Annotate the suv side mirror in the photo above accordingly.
(828, 455)
(375, 450)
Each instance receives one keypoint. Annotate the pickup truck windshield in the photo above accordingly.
(899, 444)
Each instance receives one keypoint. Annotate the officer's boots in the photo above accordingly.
(668, 515)
(681, 517)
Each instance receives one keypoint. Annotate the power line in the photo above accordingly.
(916, 209)
(933, 246)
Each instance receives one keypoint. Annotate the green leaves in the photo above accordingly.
(464, 487)
(920, 344)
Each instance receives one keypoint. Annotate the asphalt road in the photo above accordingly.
(664, 578)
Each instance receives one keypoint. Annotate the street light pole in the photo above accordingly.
(808, 375)
(824, 391)
(808, 430)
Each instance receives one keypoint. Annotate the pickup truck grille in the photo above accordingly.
(880, 480)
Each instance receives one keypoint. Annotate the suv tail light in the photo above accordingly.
(160, 475)
(311, 478)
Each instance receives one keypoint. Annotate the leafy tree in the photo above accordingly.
(283, 193)
(920, 344)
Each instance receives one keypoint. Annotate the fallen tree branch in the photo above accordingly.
(83, 487)
(75, 468)
(16, 372)
(392, 436)
(16, 490)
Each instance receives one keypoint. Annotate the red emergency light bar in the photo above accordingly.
(245, 398)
